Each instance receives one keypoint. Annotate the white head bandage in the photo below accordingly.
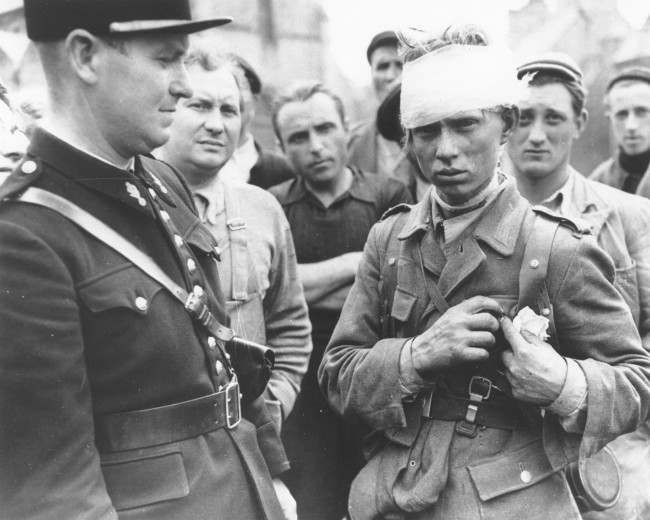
(457, 78)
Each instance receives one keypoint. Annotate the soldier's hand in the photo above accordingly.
(463, 334)
(287, 502)
(534, 369)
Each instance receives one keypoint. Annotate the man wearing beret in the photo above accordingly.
(117, 394)
(474, 416)
(551, 117)
(628, 106)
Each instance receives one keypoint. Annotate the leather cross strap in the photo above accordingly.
(193, 302)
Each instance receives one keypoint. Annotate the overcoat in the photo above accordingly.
(85, 333)
(415, 463)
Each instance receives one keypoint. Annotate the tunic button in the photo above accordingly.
(178, 240)
(212, 343)
(546, 311)
(525, 476)
(534, 263)
(141, 303)
(191, 265)
(198, 291)
(28, 167)
(163, 189)
(152, 192)
(227, 356)
(164, 215)
(218, 366)
(391, 260)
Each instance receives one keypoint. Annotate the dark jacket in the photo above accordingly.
(85, 333)
(611, 172)
(360, 369)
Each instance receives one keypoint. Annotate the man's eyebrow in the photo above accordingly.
(297, 133)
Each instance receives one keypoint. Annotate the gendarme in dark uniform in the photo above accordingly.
(87, 336)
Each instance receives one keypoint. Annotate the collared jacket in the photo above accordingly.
(258, 274)
(621, 224)
(611, 172)
(85, 333)
(360, 369)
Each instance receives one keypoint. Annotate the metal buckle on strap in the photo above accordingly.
(233, 404)
(479, 390)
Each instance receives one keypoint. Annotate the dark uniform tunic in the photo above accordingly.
(83, 333)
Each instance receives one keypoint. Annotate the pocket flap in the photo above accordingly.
(125, 286)
(146, 480)
(511, 471)
(403, 303)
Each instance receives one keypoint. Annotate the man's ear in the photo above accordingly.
(581, 122)
(510, 118)
(83, 49)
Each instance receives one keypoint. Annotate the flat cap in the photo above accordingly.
(380, 40)
(388, 116)
(251, 76)
(557, 62)
(54, 19)
(637, 73)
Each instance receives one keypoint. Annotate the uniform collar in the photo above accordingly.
(89, 170)
(498, 226)
(561, 201)
(358, 189)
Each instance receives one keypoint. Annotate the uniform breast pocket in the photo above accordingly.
(402, 313)
(125, 287)
(143, 477)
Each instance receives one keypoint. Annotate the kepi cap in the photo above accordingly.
(557, 62)
(54, 19)
(251, 76)
(635, 73)
(380, 40)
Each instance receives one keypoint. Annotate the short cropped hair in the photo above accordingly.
(302, 92)
(576, 90)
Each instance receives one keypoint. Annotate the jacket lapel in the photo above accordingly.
(587, 204)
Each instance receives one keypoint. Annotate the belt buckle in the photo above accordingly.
(479, 390)
(233, 404)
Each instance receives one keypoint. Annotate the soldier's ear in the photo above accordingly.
(510, 117)
(83, 51)
(581, 122)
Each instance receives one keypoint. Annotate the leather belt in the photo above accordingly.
(500, 415)
(169, 423)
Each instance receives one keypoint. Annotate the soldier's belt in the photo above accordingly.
(171, 423)
(504, 415)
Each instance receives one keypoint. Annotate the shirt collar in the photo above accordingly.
(89, 170)
(560, 200)
(211, 197)
(358, 189)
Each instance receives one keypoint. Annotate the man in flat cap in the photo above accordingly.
(369, 149)
(627, 101)
(475, 416)
(551, 117)
(251, 162)
(118, 392)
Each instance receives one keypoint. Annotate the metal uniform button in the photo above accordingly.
(391, 260)
(525, 476)
(218, 366)
(164, 215)
(141, 303)
(534, 263)
(198, 291)
(212, 343)
(152, 192)
(546, 311)
(28, 167)
(178, 240)
(163, 189)
(191, 265)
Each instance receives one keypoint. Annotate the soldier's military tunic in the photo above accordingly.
(84, 333)
(421, 466)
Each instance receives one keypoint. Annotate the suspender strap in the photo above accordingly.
(193, 302)
(238, 247)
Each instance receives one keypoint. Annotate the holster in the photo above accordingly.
(253, 363)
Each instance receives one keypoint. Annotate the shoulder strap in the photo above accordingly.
(192, 302)
(533, 291)
(238, 245)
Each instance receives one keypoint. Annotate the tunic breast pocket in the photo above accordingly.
(402, 314)
(124, 287)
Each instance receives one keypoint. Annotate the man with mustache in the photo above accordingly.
(330, 206)
(551, 117)
(118, 395)
(470, 417)
(628, 106)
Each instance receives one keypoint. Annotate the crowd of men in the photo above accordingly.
(429, 315)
